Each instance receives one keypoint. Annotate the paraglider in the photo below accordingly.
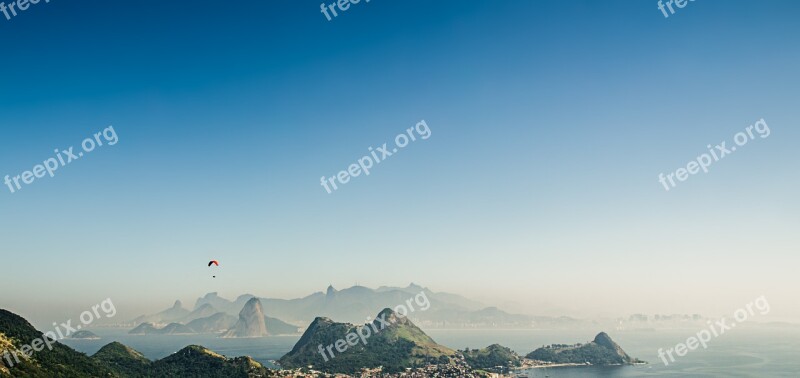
(213, 262)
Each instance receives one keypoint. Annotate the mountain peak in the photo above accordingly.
(603, 338)
(116, 352)
(387, 312)
(115, 345)
(195, 361)
(253, 302)
(177, 304)
(192, 349)
(395, 347)
(252, 321)
(321, 320)
(389, 315)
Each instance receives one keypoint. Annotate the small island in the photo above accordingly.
(84, 335)
(495, 357)
(602, 351)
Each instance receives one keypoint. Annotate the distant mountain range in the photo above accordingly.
(214, 314)
(216, 323)
(169, 329)
(356, 303)
(175, 314)
(251, 322)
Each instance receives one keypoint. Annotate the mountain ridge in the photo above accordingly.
(394, 347)
(602, 351)
(356, 303)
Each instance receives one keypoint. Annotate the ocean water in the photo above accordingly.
(741, 352)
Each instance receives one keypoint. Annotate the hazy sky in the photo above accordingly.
(537, 189)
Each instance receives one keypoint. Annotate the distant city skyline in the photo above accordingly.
(538, 191)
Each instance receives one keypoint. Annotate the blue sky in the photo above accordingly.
(550, 121)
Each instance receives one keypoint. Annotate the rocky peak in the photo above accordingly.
(604, 340)
(251, 323)
(392, 317)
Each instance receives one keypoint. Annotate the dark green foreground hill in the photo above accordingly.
(197, 361)
(122, 359)
(62, 361)
(192, 361)
(114, 360)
